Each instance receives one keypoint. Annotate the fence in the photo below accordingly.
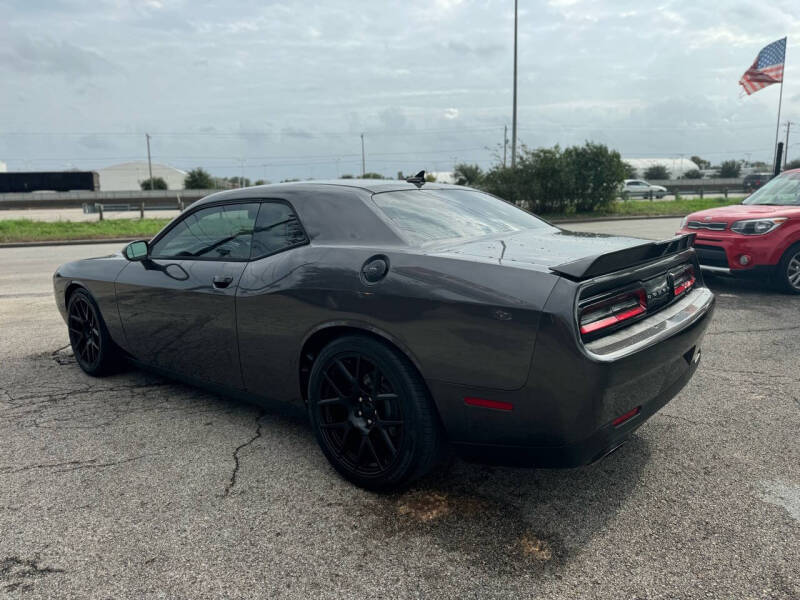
(149, 199)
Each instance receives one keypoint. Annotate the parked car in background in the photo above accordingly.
(755, 180)
(760, 237)
(639, 187)
(405, 317)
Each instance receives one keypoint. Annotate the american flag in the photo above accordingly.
(767, 68)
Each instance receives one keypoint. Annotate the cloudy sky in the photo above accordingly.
(284, 89)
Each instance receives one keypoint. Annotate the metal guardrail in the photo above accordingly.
(79, 198)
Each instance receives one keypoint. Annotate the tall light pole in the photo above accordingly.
(149, 162)
(786, 145)
(363, 158)
(505, 144)
(514, 116)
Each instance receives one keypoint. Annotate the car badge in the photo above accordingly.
(706, 218)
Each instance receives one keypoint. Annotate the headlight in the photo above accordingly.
(757, 226)
(684, 222)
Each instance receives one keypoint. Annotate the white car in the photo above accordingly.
(639, 187)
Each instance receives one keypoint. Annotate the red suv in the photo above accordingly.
(760, 236)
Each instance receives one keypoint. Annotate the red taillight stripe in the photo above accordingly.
(484, 403)
(612, 320)
(682, 287)
(628, 415)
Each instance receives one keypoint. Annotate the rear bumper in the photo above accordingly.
(565, 416)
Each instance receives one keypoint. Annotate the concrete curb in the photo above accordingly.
(66, 242)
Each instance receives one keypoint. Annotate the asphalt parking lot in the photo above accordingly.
(136, 487)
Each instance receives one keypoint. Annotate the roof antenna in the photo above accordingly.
(418, 179)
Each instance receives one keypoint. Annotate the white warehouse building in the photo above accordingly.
(129, 176)
(676, 166)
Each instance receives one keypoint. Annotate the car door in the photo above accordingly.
(272, 318)
(178, 306)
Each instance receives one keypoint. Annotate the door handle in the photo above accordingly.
(222, 281)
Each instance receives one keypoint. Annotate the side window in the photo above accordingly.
(277, 228)
(221, 232)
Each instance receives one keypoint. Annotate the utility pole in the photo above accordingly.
(786, 145)
(505, 144)
(514, 116)
(149, 162)
(363, 159)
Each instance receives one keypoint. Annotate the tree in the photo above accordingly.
(656, 172)
(701, 162)
(729, 169)
(466, 174)
(372, 176)
(630, 171)
(238, 182)
(348, 176)
(198, 179)
(260, 182)
(157, 183)
(430, 177)
(793, 164)
(692, 174)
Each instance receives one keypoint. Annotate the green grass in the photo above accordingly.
(26, 230)
(647, 208)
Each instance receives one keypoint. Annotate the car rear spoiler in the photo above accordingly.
(592, 266)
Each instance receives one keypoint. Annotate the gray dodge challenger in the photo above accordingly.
(407, 318)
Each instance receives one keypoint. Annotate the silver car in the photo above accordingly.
(639, 187)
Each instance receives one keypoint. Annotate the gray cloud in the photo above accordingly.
(426, 81)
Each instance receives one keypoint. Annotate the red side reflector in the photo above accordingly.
(628, 415)
(484, 403)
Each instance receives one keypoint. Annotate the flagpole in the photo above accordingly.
(780, 101)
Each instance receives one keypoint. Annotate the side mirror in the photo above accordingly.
(138, 250)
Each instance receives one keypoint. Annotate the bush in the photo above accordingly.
(693, 174)
(729, 169)
(372, 176)
(549, 180)
(630, 171)
(157, 183)
(656, 172)
(198, 179)
(465, 174)
(793, 164)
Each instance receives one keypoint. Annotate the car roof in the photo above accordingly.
(368, 185)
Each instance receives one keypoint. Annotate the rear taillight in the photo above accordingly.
(611, 311)
(683, 281)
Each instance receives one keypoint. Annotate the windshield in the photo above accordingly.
(430, 215)
(781, 191)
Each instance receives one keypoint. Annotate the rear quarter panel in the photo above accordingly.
(459, 321)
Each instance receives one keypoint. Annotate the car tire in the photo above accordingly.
(787, 274)
(372, 414)
(94, 350)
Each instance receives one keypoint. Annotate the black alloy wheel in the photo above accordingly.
(371, 414)
(95, 352)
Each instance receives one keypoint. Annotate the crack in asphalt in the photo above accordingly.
(18, 571)
(71, 465)
(236, 463)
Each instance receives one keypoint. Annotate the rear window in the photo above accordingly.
(429, 215)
